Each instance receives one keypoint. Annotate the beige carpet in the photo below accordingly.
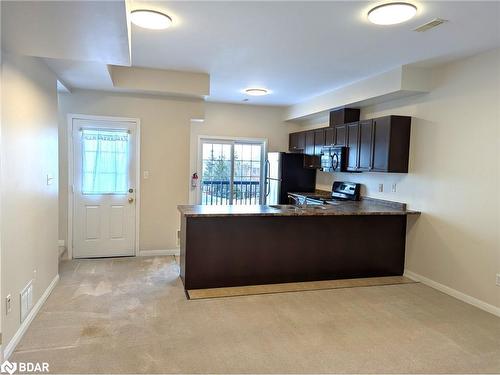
(249, 290)
(132, 316)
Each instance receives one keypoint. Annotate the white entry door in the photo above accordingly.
(104, 191)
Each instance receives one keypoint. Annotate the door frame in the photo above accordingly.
(228, 139)
(69, 140)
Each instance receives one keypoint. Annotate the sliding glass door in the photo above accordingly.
(232, 172)
(216, 173)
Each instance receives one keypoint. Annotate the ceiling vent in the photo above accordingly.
(430, 25)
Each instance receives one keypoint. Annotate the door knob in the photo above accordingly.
(130, 200)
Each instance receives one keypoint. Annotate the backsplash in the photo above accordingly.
(370, 184)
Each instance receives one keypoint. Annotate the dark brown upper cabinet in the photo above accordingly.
(391, 144)
(297, 142)
(340, 135)
(353, 146)
(329, 136)
(344, 116)
(365, 145)
(378, 145)
(319, 141)
(309, 149)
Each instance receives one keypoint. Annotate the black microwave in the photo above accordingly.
(334, 159)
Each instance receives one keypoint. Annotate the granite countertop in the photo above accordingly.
(366, 206)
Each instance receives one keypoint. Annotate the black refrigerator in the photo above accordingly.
(286, 173)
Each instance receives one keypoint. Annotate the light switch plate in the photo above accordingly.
(146, 175)
(380, 188)
(8, 304)
(394, 188)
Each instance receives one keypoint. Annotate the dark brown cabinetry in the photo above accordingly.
(338, 247)
(309, 149)
(381, 137)
(365, 145)
(297, 141)
(353, 146)
(329, 136)
(341, 135)
(391, 144)
(344, 116)
(378, 145)
(319, 141)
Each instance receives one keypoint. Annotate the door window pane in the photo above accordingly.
(105, 157)
(216, 174)
(247, 173)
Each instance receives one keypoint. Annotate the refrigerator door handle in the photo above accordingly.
(268, 185)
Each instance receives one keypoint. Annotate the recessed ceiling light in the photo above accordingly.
(392, 13)
(256, 91)
(150, 19)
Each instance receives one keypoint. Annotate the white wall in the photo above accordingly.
(243, 121)
(164, 153)
(29, 213)
(453, 178)
(167, 151)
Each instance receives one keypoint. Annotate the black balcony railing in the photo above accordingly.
(218, 192)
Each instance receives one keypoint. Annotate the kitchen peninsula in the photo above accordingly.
(224, 246)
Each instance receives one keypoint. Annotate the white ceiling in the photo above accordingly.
(79, 30)
(301, 49)
(296, 49)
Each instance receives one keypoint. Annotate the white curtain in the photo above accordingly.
(105, 161)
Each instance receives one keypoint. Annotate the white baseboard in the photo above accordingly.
(453, 292)
(150, 253)
(9, 348)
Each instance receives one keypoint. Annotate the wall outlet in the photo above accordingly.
(26, 300)
(146, 175)
(8, 304)
(498, 279)
(380, 188)
(393, 188)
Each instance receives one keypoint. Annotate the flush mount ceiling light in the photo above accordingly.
(392, 13)
(150, 19)
(256, 91)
